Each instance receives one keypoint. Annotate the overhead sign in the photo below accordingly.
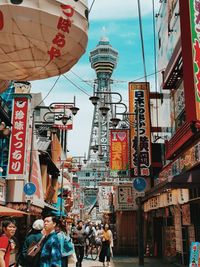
(29, 189)
(139, 184)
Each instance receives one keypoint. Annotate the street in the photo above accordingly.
(126, 262)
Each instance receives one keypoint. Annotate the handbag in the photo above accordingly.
(34, 248)
(68, 246)
(72, 259)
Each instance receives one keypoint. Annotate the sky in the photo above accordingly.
(119, 22)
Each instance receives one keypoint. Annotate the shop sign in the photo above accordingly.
(173, 197)
(186, 214)
(195, 30)
(2, 191)
(194, 254)
(104, 196)
(139, 101)
(185, 162)
(60, 110)
(125, 199)
(18, 137)
(119, 160)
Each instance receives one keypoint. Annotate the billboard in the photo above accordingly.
(139, 101)
(119, 150)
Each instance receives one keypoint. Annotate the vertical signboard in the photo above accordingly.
(139, 99)
(195, 31)
(18, 137)
(119, 150)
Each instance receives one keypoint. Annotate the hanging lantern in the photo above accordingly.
(41, 38)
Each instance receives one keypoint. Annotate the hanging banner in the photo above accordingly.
(18, 137)
(195, 30)
(119, 150)
(139, 97)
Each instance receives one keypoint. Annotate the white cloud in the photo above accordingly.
(115, 9)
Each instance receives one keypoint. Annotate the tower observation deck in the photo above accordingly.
(103, 60)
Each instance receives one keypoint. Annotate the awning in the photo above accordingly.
(5, 211)
(187, 180)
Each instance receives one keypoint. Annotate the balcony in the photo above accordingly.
(180, 138)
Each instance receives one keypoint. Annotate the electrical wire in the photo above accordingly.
(77, 86)
(142, 40)
(49, 91)
(81, 79)
(155, 61)
(91, 6)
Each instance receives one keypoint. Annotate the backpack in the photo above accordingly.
(34, 248)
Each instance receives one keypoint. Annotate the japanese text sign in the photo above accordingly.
(18, 137)
(139, 101)
(64, 24)
(195, 30)
(119, 149)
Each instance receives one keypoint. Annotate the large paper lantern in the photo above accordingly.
(41, 38)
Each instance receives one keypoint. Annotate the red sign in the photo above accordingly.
(119, 149)
(18, 137)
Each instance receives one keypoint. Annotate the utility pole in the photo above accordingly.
(139, 199)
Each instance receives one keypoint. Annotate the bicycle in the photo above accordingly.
(92, 249)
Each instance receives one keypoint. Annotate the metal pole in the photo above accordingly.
(139, 203)
(28, 220)
(61, 198)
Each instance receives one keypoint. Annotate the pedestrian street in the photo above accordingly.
(126, 262)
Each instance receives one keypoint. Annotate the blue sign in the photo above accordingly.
(139, 184)
(29, 189)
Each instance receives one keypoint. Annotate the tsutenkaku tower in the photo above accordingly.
(103, 60)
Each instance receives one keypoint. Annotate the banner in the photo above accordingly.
(18, 137)
(119, 150)
(195, 30)
(139, 101)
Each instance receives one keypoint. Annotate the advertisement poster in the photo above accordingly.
(194, 254)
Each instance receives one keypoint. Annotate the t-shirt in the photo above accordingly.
(5, 246)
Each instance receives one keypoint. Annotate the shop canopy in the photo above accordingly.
(5, 211)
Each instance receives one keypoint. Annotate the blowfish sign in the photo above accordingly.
(139, 99)
(195, 24)
(41, 38)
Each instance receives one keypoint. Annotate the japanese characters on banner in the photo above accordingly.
(173, 197)
(18, 137)
(63, 26)
(104, 196)
(119, 150)
(139, 96)
(195, 30)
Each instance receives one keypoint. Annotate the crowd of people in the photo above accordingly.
(52, 243)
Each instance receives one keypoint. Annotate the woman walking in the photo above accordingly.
(107, 243)
(67, 247)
